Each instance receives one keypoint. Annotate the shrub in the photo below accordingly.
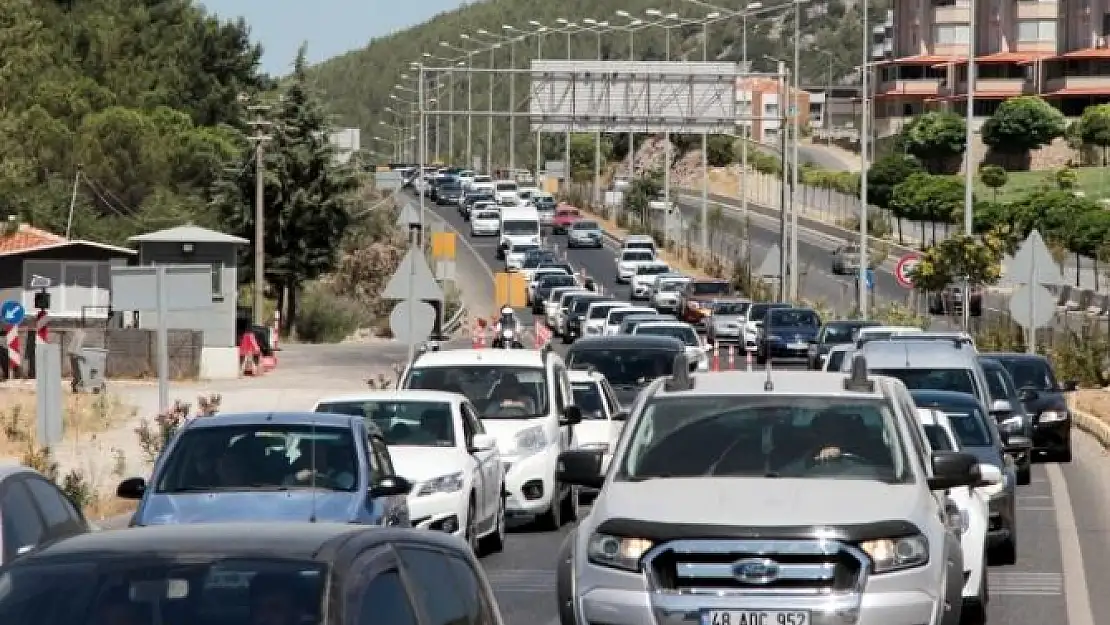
(153, 437)
(325, 317)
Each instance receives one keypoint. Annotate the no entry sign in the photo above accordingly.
(904, 269)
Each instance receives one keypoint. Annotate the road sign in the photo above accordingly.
(413, 280)
(769, 268)
(12, 312)
(1032, 306)
(409, 217)
(40, 282)
(1033, 264)
(443, 245)
(412, 322)
(904, 269)
(870, 277)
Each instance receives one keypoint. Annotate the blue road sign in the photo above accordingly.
(12, 312)
(870, 279)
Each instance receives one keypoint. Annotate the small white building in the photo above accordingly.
(347, 141)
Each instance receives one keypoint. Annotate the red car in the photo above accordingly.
(564, 217)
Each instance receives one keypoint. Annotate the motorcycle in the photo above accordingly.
(507, 338)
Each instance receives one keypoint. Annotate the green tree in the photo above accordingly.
(307, 195)
(883, 176)
(720, 150)
(1094, 127)
(956, 258)
(993, 177)
(936, 139)
(1022, 124)
(583, 150)
(928, 198)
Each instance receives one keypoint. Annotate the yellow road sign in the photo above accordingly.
(443, 245)
(510, 289)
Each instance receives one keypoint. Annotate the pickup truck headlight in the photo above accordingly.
(895, 554)
(1049, 416)
(451, 483)
(529, 441)
(617, 552)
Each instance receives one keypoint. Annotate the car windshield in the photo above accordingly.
(587, 396)
(968, 423)
(585, 225)
(581, 305)
(626, 367)
(652, 270)
(958, 380)
(565, 214)
(506, 186)
(524, 248)
(496, 391)
(710, 288)
(838, 333)
(262, 457)
(537, 258)
(482, 179)
(412, 423)
(601, 311)
(686, 334)
(637, 256)
(487, 215)
(616, 317)
(554, 280)
(1030, 373)
(520, 227)
(640, 245)
(836, 359)
(766, 436)
(938, 438)
(998, 383)
(185, 588)
(670, 287)
(792, 318)
(730, 308)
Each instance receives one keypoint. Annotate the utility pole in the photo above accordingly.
(259, 139)
(969, 171)
(796, 133)
(864, 149)
(783, 128)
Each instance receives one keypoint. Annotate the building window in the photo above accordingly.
(771, 109)
(951, 34)
(217, 281)
(1036, 30)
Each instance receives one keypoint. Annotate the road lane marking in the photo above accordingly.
(1022, 583)
(1037, 508)
(1076, 594)
(521, 580)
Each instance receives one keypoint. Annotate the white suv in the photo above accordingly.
(791, 497)
(524, 399)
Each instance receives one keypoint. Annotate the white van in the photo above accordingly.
(506, 190)
(520, 225)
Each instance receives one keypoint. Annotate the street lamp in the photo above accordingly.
(469, 95)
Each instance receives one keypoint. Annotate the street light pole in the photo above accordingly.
(969, 174)
(512, 102)
(749, 122)
(489, 118)
(539, 130)
(469, 108)
(566, 137)
(795, 270)
(865, 133)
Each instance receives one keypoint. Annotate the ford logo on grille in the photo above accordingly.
(756, 570)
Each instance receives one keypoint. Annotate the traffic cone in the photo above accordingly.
(731, 358)
(748, 360)
(715, 363)
(249, 354)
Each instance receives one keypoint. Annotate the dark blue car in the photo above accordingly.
(287, 466)
(787, 333)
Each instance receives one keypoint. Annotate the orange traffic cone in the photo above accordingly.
(715, 363)
(748, 360)
(731, 358)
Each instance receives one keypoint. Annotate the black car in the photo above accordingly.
(757, 312)
(786, 333)
(449, 192)
(468, 201)
(1044, 398)
(576, 310)
(836, 332)
(628, 362)
(543, 289)
(321, 573)
(979, 437)
(1009, 413)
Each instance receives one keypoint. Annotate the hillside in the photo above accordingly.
(356, 85)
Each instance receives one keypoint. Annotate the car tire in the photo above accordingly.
(471, 524)
(571, 505)
(1025, 473)
(1005, 554)
(495, 542)
(975, 610)
(552, 519)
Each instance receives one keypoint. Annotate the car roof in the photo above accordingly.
(663, 323)
(639, 238)
(1017, 357)
(233, 419)
(802, 383)
(943, 397)
(852, 323)
(613, 303)
(9, 470)
(295, 541)
(627, 341)
(395, 394)
(929, 354)
(501, 357)
(645, 309)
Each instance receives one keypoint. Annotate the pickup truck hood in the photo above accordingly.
(757, 502)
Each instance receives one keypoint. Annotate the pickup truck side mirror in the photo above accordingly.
(572, 415)
(580, 467)
(390, 486)
(1001, 406)
(952, 469)
(621, 415)
(1069, 386)
(131, 488)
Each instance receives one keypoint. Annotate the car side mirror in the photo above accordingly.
(989, 475)
(580, 467)
(620, 415)
(482, 442)
(1028, 394)
(1001, 406)
(391, 486)
(131, 488)
(1017, 444)
(572, 415)
(952, 469)
(1070, 385)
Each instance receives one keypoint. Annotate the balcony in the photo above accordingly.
(1079, 84)
(952, 14)
(909, 86)
(992, 87)
(1037, 10)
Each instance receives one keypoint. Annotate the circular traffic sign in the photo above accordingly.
(904, 269)
(12, 312)
(412, 322)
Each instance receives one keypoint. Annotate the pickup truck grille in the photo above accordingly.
(784, 566)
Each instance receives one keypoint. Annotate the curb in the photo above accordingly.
(1097, 428)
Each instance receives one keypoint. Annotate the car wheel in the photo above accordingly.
(552, 519)
(571, 505)
(471, 532)
(1025, 473)
(495, 542)
(975, 610)
(1006, 553)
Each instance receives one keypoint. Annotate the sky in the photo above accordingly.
(329, 27)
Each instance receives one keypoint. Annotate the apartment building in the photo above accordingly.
(1057, 49)
(757, 99)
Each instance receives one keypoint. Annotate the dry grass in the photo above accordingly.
(107, 507)
(82, 415)
(1096, 402)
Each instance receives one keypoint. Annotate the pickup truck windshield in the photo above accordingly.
(515, 227)
(626, 368)
(769, 436)
(711, 288)
(498, 392)
(958, 380)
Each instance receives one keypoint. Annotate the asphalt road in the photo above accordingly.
(1063, 516)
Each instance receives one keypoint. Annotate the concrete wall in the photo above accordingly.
(132, 353)
(216, 322)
